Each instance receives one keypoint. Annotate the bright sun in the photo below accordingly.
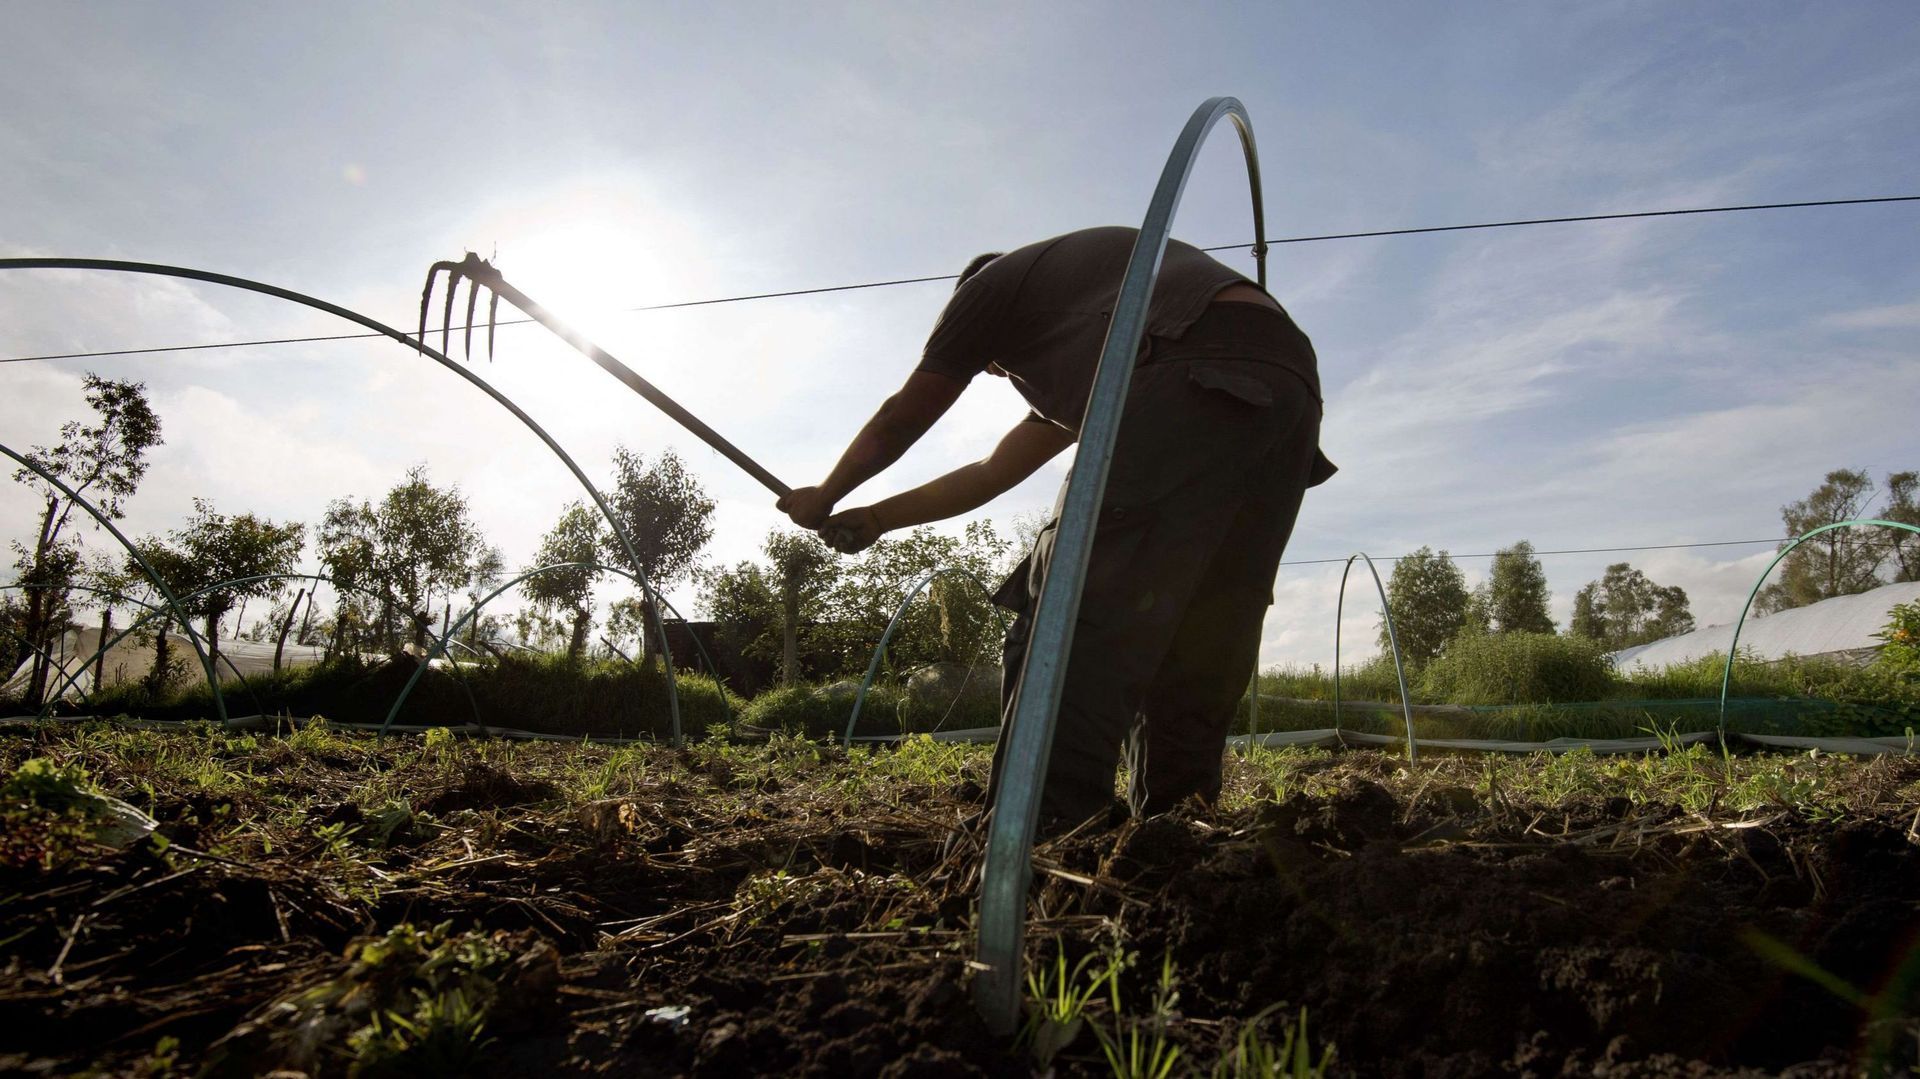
(590, 252)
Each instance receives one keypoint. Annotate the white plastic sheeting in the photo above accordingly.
(1841, 624)
(131, 659)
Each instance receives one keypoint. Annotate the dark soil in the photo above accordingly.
(729, 916)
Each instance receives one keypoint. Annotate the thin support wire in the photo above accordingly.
(880, 650)
(1733, 649)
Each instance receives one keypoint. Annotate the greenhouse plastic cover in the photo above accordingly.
(1841, 624)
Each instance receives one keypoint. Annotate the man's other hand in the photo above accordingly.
(807, 506)
(852, 531)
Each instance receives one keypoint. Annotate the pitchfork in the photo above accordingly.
(480, 274)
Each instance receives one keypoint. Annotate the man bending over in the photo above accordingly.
(1217, 445)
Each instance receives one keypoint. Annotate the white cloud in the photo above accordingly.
(1891, 317)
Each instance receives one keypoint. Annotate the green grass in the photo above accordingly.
(540, 693)
(1536, 688)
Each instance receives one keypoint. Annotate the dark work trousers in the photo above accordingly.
(1217, 445)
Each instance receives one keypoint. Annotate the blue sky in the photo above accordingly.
(1623, 383)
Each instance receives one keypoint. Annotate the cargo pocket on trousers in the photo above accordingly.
(1236, 384)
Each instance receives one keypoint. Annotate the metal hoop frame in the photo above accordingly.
(880, 650)
(43, 654)
(1733, 649)
(180, 612)
(1008, 869)
(154, 611)
(1393, 641)
(416, 345)
(70, 680)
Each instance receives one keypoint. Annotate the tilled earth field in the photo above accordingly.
(328, 904)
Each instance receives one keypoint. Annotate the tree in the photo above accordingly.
(1901, 506)
(576, 537)
(427, 546)
(1517, 592)
(957, 623)
(349, 553)
(765, 611)
(1625, 608)
(489, 569)
(804, 572)
(1427, 595)
(419, 543)
(170, 564)
(104, 462)
(666, 515)
(215, 548)
(1837, 563)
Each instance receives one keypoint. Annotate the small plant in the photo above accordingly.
(414, 1002)
(1057, 998)
(1254, 1056)
(1142, 1048)
(49, 785)
(337, 840)
(313, 738)
(163, 1060)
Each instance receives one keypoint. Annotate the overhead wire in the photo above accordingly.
(1517, 223)
(1592, 550)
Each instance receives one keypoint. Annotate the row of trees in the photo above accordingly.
(820, 616)
(400, 559)
(1846, 560)
(1432, 605)
(395, 561)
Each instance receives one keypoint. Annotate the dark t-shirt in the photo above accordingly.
(1041, 312)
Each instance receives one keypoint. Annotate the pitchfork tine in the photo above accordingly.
(426, 298)
(493, 307)
(446, 321)
(473, 294)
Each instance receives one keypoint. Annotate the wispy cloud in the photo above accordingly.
(1900, 316)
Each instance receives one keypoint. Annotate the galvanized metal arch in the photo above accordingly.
(206, 664)
(1008, 868)
(154, 612)
(880, 650)
(71, 680)
(420, 346)
(473, 612)
(1733, 649)
(1393, 642)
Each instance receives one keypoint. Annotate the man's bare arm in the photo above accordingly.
(894, 428)
(1019, 454)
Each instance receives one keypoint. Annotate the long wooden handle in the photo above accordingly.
(490, 277)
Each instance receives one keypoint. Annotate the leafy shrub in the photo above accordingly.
(1901, 654)
(1371, 680)
(526, 692)
(1518, 668)
(1752, 677)
(821, 711)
